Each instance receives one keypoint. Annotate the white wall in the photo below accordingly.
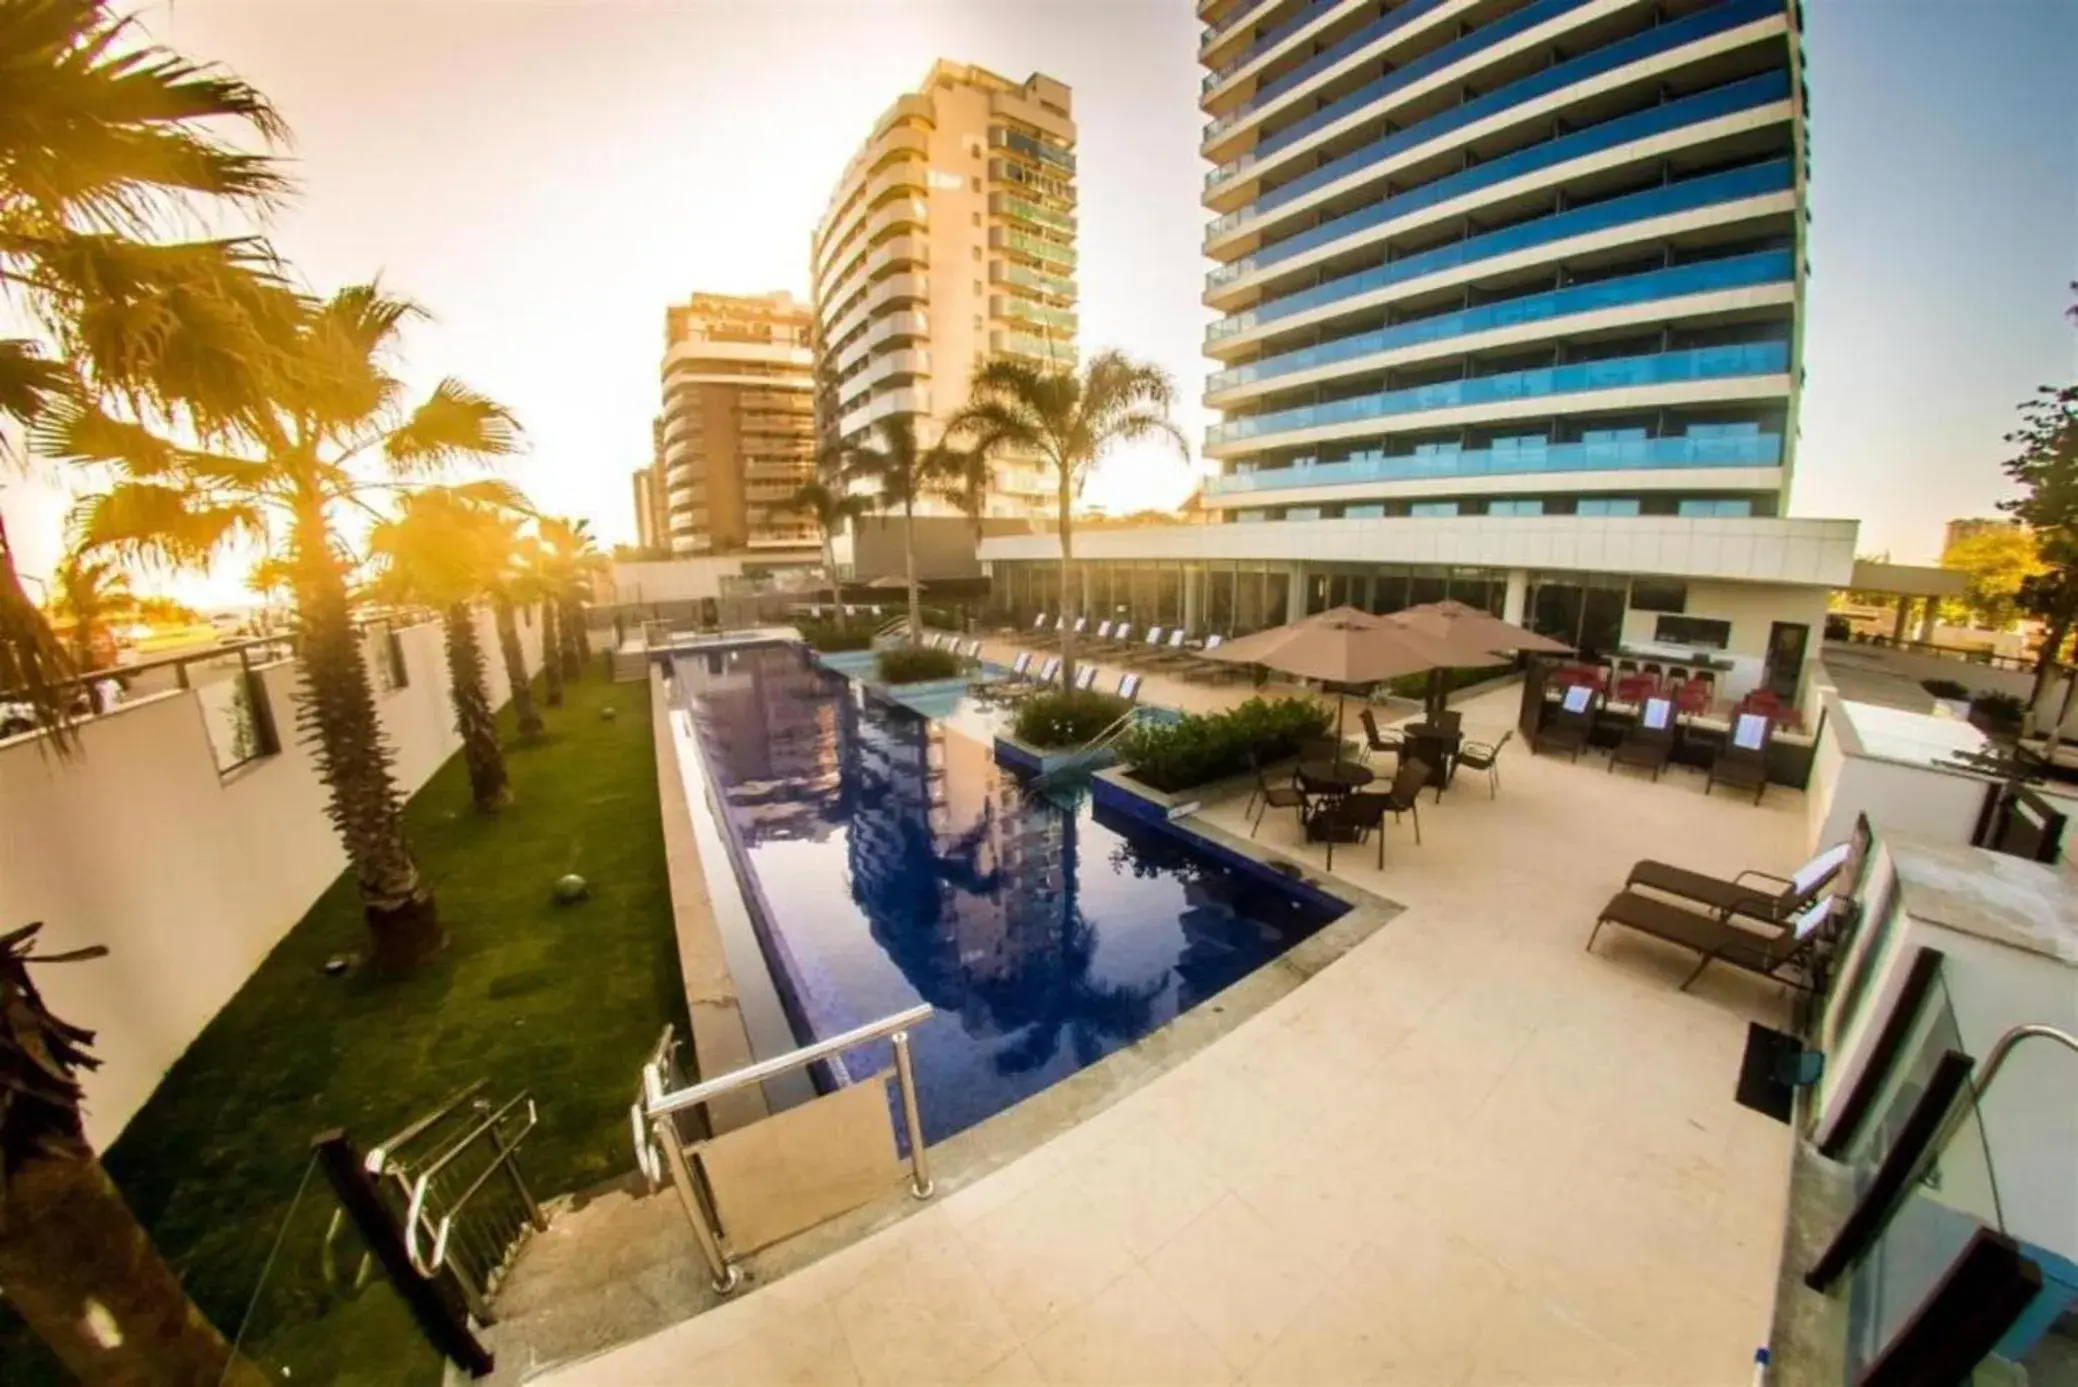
(1752, 609)
(190, 878)
(674, 580)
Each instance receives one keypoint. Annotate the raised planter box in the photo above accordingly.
(1026, 757)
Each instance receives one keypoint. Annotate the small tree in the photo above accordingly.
(902, 471)
(1994, 564)
(91, 592)
(570, 559)
(2045, 467)
(1069, 421)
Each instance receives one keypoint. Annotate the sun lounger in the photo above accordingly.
(1756, 895)
(1781, 954)
(1129, 687)
(1085, 678)
(1174, 655)
(1157, 636)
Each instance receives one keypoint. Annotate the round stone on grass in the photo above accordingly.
(572, 888)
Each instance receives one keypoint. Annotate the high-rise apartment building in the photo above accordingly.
(949, 239)
(738, 431)
(1509, 297)
(1956, 531)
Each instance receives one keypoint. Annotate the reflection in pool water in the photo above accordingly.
(891, 861)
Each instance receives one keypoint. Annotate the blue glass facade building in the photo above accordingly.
(1502, 251)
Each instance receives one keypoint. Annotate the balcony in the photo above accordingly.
(1219, 29)
(1678, 453)
(1003, 205)
(1308, 12)
(1741, 271)
(1005, 343)
(1052, 252)
(1004, 138)
(1269, 94)
(1615, 373)
(1640, 47)
(1748, 94)
(1734, 185)
(1011, 306)
(1005, 272)
(913, 400)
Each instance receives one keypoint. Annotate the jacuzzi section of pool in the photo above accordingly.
(891, 861)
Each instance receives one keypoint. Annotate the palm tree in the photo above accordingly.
(101, 140)
(573, 558)
(436, 552)
(295, 445)
(830, 505)
(537, 580)
(505, 579)
(1069, 421)
(77, 1265)
(903, 472)
(90, 591)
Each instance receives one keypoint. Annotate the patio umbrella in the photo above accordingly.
(1472, 636)
(890, 581)
(1342, 646)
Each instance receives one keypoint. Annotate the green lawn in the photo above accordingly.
(564, 1002)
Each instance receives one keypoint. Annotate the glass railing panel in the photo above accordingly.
(1043, 250)
(1704, 363)
(1033, 279)
(1025, 211)
(1957, 1195)
(1749, 92)
(1676, 452)
(1665, 38)
(1730, 186)
(321, 1309)
(1264, 42)
(1763, 267)
(1320, 62)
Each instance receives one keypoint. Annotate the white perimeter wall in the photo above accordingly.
(189, 878)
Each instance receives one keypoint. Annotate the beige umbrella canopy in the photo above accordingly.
(1341, 646)
(1472, 636)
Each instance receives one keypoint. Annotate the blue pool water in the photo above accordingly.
(888, 860)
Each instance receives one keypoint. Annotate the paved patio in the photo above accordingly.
(1467, 1153)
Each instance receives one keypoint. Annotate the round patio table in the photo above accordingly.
(1334, 777)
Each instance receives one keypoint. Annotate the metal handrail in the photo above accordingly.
(659, 1108)
(1981, 1083)
(415, 1214)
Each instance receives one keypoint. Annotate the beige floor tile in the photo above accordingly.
(1149, 1186)
(1002, 1186)
(1133, 1334)
(1528, 1343)
(926, 1318)
(1236, 1279)
(1016, 1370)
(807, 1351)
(1046, 1251)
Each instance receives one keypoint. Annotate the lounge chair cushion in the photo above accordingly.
(1726, 943)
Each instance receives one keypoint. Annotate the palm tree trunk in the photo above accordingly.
(571, 623)
(488, 785)
(515, 661)
(335, 709)
(551, 656)
(916, 606)
(84, 1275)
(1067, 563)
(830, 573)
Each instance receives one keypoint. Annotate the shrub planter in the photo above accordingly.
(1044, 761)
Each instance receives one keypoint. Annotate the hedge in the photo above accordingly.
(1068, 718)
(915, 664)
(824, 635)
(1198, 750)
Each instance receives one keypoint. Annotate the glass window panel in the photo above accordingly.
(1276, 593)
(1430, 509)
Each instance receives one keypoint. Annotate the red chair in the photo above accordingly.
(1634, 689)
(1692, 698)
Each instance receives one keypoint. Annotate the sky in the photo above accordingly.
(546, 175)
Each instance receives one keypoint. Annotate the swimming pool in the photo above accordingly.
(888, 860)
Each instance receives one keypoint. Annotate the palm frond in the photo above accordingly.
(28, 379)
(454, 423)
(33, 664)
(165, 525)
(97, 129)
(74, 431)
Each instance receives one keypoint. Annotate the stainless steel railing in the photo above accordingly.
(456, 1173)
(660, 1145)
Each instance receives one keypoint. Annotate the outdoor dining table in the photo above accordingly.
(1334, 777)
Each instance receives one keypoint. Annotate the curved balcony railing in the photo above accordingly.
(1637, 48)
(1733, 185)
(1457, 50)
(1614, 373)
(1321, 61)
(1675, 453)
(1308, 11)
(1746, 94)
(1738, 271)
